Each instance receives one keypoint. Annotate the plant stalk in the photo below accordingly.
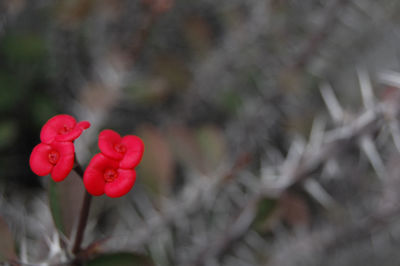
(84, 214)
(83, 217)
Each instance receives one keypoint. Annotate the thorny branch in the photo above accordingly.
(322, 33)
(305, 166)
(337, 140)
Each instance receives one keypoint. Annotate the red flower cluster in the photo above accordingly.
(56, 154)
(112, 171)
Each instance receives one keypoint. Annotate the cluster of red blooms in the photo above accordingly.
(111, 171)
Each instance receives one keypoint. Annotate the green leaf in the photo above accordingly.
(65, 199)
(121, 259)
(265, 209)
(7, 250)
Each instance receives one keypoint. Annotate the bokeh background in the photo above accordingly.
(270, 128)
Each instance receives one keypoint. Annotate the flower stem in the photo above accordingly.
(84, 214)
(78, 169)
(83, 217)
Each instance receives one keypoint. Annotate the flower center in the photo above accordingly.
(64, 130)
(53, 156)
(110, 175)
(120, 148)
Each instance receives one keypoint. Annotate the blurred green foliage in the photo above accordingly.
(23, 47)
(265, 209)
(26, 99)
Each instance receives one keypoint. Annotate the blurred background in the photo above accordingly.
(270, 126)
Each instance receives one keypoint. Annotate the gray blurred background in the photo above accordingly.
(271, 128)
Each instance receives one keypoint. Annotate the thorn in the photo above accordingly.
(296, 149)
(273, 183)
(23, 253)
(332, 103)
(316, 135)
(368, 146)
(53, 243)
(331, 169)
(319, 193)
(395, 132)
(390, 78)
(293, 157)
(366, 88)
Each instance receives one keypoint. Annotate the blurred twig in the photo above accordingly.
(189, 202)
(321, 34)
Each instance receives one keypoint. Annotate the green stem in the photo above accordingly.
(83, 217)
(84, 214)
(78, 169)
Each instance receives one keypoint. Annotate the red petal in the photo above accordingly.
(52, 127)
(63, 167)
(93, 177)
(70, 136)
(121, 185)
(101, 162)
(83, 124)
(39, 160)
(134, 152)
(74, 133)
(64, 148)
(107, 139)
(66, 162)
(94, 181)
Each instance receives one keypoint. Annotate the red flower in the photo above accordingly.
(111, 171)
(103, 175)
(56, 158)
(128, 150)
(56, 153)
(62, 128)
